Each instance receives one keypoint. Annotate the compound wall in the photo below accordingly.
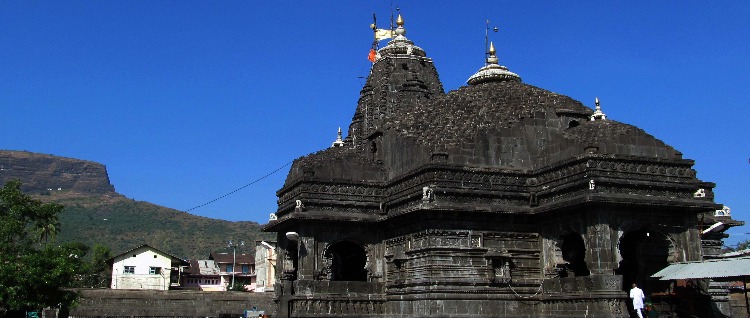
(108, 303)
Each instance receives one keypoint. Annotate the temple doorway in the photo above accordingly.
(347, 261)
(573, 251)
(643, 254)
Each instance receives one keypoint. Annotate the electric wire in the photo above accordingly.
(241, 188)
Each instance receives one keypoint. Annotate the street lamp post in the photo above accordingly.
(234, 259)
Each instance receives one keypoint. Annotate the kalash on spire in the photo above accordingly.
(493, 71)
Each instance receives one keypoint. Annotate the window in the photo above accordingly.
(129, 270)
(245, 269)
(154, 270)
(230, 268)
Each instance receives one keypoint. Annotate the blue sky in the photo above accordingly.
(185, 101)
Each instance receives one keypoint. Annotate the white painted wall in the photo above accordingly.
(142, 259)
(265, 266)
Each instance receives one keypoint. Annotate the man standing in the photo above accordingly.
(637, 295)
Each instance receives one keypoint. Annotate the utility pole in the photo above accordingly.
(234, 259)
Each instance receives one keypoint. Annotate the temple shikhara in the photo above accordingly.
(498, 199)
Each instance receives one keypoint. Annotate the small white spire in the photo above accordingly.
(598, 114)
(338, 142)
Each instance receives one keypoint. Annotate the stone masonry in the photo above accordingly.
(112, 303)
(498, 199)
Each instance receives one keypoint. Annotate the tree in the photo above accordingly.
(239, 285)
(741, 245)
(33, 272)
(21, 215)
(99, 273)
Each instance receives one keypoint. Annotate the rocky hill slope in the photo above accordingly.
(96, 214)
(41, 173)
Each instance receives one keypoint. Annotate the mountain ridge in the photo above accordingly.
(96, 214)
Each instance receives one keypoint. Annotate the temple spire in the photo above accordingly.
(400, 44)
(339, 142)
(598, 114)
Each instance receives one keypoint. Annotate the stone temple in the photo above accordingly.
(498, 199)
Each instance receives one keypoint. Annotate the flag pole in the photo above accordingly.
(373, 50)
(486, 36)
(375, 31)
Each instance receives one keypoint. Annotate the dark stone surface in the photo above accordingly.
(113, 303)
(499, 199)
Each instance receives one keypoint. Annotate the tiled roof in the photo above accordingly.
(180, 260)
(223, 258)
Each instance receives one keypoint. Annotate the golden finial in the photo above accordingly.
(399, 21)
(492, 59)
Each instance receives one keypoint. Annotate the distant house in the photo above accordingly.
(203, 275)
(265, 265)
(145, 267)
(242, 266)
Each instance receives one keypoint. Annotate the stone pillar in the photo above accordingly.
(306, 263)
(601, 251)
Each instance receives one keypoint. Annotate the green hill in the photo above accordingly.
(95, 213)
(122, 224)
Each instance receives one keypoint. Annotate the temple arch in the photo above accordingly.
(346, 261)
(643, 252)
(572, 253)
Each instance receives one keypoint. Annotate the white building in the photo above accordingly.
(265, 265)
(145, 267)
(203, 275)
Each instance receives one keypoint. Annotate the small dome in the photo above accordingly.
(493, 72)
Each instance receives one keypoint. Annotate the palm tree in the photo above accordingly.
(47, 224)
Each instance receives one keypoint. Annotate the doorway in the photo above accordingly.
(347, 261)
(643, 254)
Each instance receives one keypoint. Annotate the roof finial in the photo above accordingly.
(598, 114)
(492, 71)
(400, 22)
(492, 59)
(486, 39)
(338, 142)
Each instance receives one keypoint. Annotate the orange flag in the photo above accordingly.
(372, 55)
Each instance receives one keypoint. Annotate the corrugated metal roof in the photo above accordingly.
(717, 268)
(740, 253)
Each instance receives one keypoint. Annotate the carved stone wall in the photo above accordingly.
(462, 203)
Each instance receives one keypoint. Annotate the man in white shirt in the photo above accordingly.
(637, 295)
